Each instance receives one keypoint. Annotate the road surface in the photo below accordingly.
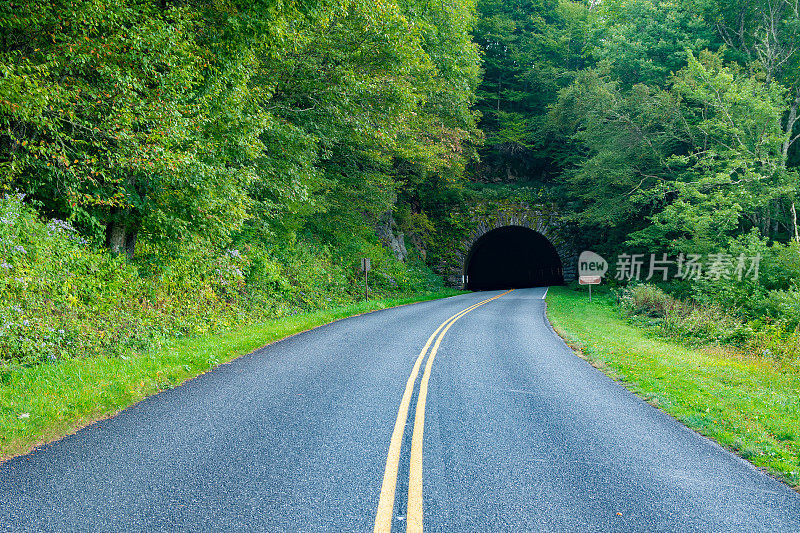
(515, 433)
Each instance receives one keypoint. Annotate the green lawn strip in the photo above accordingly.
(749, 405)
(43, 403)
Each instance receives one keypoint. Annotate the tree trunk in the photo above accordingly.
(115, 236)
(790, 122)
(130, 243)
(121, 233)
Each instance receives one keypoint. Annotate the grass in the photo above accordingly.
(749, 404)
(42, 403)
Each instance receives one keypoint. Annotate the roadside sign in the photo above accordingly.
(590, 280)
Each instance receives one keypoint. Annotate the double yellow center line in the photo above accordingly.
(383, 518)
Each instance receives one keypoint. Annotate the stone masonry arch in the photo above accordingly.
(545, 223)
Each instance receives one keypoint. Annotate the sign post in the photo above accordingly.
(591, 269)
(590, 280)
(366, 266)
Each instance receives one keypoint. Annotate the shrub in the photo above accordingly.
(63, 297)
(783, 308)
(647, 300)
(708, 323)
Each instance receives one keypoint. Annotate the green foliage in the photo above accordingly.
(745, 401)
(759, 316)
(645, 41)
(61, 297)
(734, 171)
(105, 113)
(531, 49)
(185, 124)
(647, 300)
(624, 138)
(710, 323)
(703, 158)
(239, 153)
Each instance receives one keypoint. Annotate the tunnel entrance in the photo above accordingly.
(512, 257)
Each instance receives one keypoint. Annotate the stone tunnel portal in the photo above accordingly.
(512, 257)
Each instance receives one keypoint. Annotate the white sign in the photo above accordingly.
(366, 264)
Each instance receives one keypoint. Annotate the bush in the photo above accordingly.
(647, 300)
(783, 307)
(63, 297)
(707, 323)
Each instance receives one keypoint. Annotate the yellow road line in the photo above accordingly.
(384, 515)
(383, 518)
(414, 512)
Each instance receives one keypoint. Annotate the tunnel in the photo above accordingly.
(512, 257)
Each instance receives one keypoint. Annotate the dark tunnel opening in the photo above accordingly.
(512, 257)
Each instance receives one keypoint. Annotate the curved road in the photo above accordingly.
(518, 434)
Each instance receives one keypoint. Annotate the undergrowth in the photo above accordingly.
(709, 323)
(63, 297)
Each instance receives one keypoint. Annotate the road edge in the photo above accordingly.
(608, 372)
(56, 432)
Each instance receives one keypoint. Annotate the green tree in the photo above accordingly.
(691, 165)
(531, 49)
(365, 104)
(620, 142)
(645, 41)
(735, 170)
(128, 116)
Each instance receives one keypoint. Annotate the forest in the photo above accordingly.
(174, 167)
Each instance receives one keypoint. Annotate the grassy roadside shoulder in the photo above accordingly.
(45, 402)
(749, 405)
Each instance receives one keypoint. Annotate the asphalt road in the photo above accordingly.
(519, 435)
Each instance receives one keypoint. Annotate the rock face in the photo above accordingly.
(386, 233)
(418, 245)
